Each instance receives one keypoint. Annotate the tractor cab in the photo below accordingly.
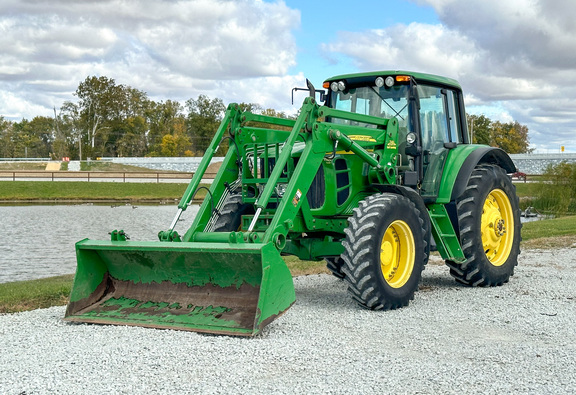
(430, 114)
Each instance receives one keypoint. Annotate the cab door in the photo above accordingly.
(441, 130)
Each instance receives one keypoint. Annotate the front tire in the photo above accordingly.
(489, 223)
(334, 264)
(385, 251)
(230, 218)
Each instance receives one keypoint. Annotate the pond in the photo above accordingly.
(38, 241)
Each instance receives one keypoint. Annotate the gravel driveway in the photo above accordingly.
(518, 338)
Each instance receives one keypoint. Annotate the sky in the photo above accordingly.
(515, 59)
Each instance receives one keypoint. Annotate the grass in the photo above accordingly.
(91, 191)
(35, 294)
(526, 189)
(564, 226)
(303, 268)
(550, 233)
(23, 166)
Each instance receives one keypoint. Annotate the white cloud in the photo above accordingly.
(516, 57)
(403, 46)
(165, 48)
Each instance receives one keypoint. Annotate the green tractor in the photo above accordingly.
(371, 181)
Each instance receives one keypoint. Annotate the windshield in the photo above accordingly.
(381, 102)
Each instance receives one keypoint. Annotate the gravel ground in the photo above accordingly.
(518, 338)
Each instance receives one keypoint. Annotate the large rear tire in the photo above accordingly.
(489, 223)
(385, 251)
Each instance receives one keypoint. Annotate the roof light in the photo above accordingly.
(403, 78)
(326, 85)
(334, 86)
(341, 85)
(389, 81)
(379, 82)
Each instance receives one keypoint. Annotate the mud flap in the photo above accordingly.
(233, 289)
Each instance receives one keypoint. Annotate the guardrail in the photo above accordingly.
(29, 175)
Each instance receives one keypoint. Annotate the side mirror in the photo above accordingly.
(312, 91)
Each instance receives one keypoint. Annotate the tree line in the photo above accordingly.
(110, 119)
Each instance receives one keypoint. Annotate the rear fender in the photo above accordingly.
(461, 162)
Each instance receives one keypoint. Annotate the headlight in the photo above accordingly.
(336, 86)
(379, 82)
(410, 138)
(389, 81)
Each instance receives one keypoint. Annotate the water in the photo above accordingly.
(38, 241)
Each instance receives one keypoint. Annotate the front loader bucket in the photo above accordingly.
(222, 288)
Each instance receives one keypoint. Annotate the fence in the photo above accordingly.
(112, 176)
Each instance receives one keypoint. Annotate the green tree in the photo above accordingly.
(162, 118)
(102, 111)
(133, 137)
(33, 139)
(511, 137)
(70, 127)
(204, 116)
(177, 144)
(7, 146)
(479, 128)
(42, 132)
(60, 145)
(168, 146)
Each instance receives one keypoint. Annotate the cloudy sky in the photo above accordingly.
(516, 59)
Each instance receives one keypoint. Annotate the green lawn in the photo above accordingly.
(526, 189)
(565, 226)
(81, 190)
(35, 294)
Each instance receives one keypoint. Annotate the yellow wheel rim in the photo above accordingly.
(397, 254)
(497, 227)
